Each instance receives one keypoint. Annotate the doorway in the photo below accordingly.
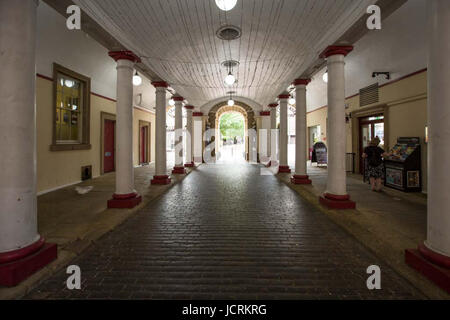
(314, 137)
(109, 146)
(369, 128)
(144, 142)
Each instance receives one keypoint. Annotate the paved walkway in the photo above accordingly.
(226, 232)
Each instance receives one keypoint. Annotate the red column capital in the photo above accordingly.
(299, 82)
(160, 84)
(334, 50)
(124, 55)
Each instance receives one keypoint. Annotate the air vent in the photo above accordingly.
(229, 33)
(368, 95)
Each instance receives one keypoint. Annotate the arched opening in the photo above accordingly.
(231, 137)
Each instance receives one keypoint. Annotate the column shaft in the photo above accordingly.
(189, 137)
(284, 167)
(179, 148)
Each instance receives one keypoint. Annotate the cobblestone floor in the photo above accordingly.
(226, 232)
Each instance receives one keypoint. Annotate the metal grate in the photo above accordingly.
(368, 95)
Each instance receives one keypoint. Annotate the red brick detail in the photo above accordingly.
(161, 180)
(160, 84)
(284, 169)
(124, 55)
(299, 82)
(438, 274)
(178, 170)
(297, 179)
(124, 201)
(334, 50)
(337, 201)
(14, 272)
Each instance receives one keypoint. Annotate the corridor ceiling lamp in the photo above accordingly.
(226, 5)
(292, 101)
(171, 102)
(230, 79)
(325, 77)
(137, 80)
(231, 101)
(69, 83)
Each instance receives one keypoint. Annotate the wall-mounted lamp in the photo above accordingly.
(387, 74)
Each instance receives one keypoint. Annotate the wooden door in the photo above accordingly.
(109, 146)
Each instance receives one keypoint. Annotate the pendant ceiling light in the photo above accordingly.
(325, 77)
(137, 80)
(292, 101)
(231, 101)
(230, 79)
(226, 5)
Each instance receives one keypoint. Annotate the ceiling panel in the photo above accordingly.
(177, 40)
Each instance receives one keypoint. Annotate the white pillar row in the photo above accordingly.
(273, 136)
(189, 137)
(433, 257)
(125, 195)
(22, 250)
(300, 176)
(179, 165)
(336, 196)
(264, 137)
(160, 177)
(284, 167)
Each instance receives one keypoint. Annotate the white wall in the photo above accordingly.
(399, 48)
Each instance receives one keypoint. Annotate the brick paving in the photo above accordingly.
(226, 232)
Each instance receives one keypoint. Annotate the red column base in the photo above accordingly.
(161, 180)
(124, 201)
(178, 170)
(332, 201)
(272, 164)
(18, 265)
(296, 179)
(432, 265)
(284, 169)
(189, 165)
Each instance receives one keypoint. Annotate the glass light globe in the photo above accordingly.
(171, 102)
(137, 80)
(226, 5)
(230, 79)
(69, 83)
(292, 101)
(230, 102)
(325, 77)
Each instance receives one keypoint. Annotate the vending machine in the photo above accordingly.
(403, 167)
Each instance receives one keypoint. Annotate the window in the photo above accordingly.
(71, 110)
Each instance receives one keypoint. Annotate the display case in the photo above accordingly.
(403, 167)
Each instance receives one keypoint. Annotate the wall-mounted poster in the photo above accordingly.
(413, 179)
(394, 177)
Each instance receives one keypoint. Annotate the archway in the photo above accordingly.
(222, 108)
(231, 128)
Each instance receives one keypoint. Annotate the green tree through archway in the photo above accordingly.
(232, 125)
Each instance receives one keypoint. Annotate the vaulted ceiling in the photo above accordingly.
(177, 40)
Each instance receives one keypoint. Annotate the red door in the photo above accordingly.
(109, 146)
(144, 144)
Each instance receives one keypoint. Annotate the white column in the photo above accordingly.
(300, 176)
(18, 215)
(189, 137)
(125, 195)
(438, 235)
(160, 176)
(273, 135)
(264, 137)
(284, 167)
(336, 192)
(179, 166)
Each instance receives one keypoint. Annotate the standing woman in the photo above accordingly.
(374, 155)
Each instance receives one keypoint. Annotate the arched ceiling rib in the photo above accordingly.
(177, 40)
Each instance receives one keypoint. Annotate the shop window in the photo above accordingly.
(71, 109)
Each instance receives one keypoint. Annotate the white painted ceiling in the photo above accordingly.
(177, 40)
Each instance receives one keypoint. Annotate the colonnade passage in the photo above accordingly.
(257, 240)
(225, 231)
